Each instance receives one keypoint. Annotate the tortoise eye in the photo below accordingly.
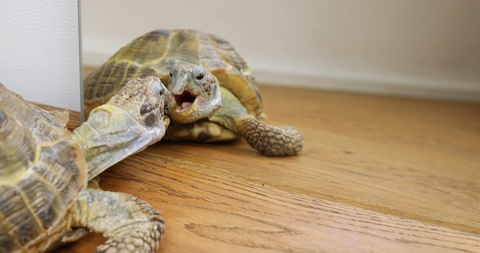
(161, 92)
(171, 74)
(199, 76)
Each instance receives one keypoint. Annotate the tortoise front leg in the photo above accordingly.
(128, 223)
(266, 139)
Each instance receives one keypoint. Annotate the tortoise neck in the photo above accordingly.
(110, 135)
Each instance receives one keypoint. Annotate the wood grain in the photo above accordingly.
(206, 212)
(377, 173)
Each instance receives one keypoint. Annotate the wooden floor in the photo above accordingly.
(377, 174)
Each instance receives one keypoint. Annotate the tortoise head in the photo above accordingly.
(196, 92)
(146, 100)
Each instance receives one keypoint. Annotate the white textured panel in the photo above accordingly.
(421, 48)
(39, 51)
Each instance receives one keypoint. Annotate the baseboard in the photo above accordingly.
(407, 88)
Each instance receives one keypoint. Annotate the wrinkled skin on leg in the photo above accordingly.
(266, 139)
(129, 223)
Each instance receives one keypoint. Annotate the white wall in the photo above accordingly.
(411, 47)
(39, 51)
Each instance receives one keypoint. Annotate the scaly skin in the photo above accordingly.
(270, 140)
(129, 223)
(266, 139)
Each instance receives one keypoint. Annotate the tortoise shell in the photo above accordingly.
(42, 172)
(154, 53)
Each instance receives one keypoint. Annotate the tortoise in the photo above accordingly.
(216, 96)
(44, 170)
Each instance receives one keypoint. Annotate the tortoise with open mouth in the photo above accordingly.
(215, 93)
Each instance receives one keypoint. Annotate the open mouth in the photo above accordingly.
(184, 100)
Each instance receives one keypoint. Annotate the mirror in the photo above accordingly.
(402, 49)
